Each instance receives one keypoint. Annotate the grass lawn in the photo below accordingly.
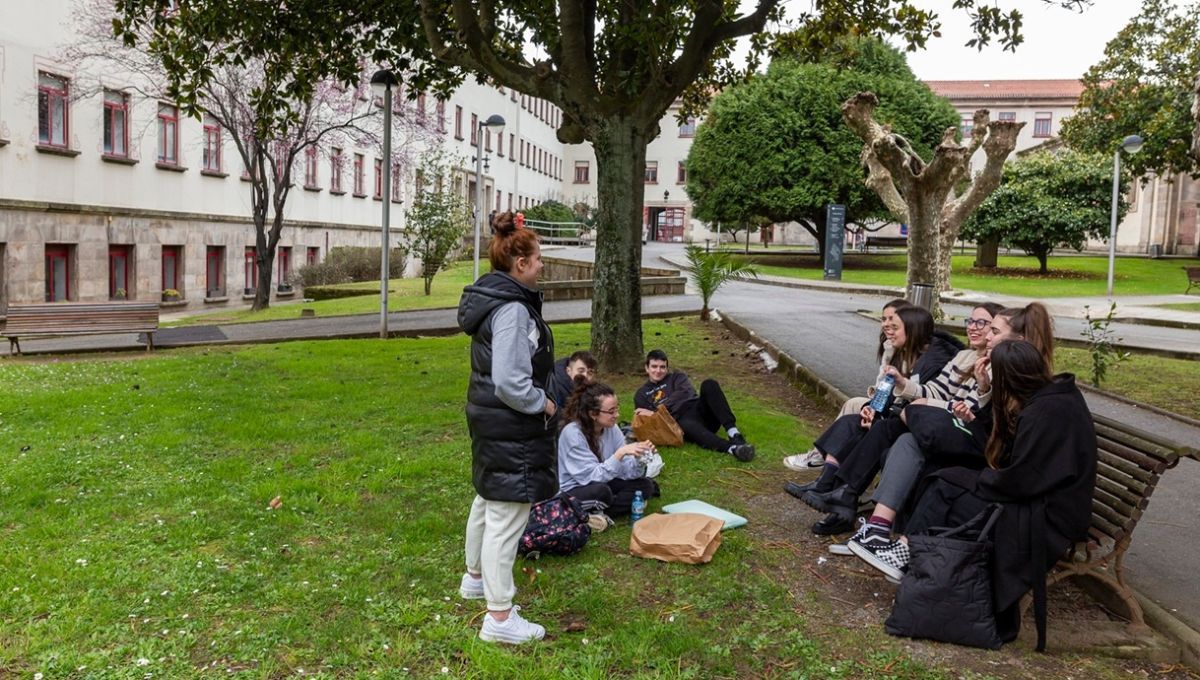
(1069, 276)
(403, 294)
(1171, 384)
(1183, 306)
(138, 540)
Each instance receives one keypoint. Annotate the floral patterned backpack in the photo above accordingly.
(557, 526)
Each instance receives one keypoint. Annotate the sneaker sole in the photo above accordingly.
(801, 468)
(870, 558)
(839, 549)
(815, 505)
(470, 595)
(488, 637)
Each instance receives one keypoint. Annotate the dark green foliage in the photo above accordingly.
(347, 264)
(776, 149)
(1047, 201)
(1144, 86)
(551, 211)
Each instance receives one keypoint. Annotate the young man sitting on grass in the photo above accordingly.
(699, 415)
(562, 384)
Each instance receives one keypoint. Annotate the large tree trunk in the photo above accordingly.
(924, 222)
(620, 146)
(987, 254)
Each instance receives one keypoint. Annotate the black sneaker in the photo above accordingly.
(890, 557)
(738, 439)
(743, 452)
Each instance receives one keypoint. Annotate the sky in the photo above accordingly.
(1059, 43)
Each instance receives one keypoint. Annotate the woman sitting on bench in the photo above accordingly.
(1041, 468)
(594, 462)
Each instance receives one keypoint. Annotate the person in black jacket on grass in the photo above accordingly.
(562, 381)
(1041, 469)
(511, 420)
(699, 415)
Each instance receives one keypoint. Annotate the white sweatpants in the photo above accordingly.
(494, 529)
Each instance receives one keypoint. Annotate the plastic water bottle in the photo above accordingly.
(882, 392)
(638, 508)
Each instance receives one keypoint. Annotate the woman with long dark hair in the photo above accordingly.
(511, 420)
(594, 462)
(1041, 468)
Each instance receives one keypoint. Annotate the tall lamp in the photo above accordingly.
(494, 125)
(382, 83)
(1130, 145)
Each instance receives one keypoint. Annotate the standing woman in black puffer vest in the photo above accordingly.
(511, 421)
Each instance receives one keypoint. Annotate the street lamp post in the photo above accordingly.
(494, 124)
(1131, 145)
(382, 83)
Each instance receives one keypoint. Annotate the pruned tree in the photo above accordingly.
(612, 67)
(932, 197)
(776, 146)
(269, 145)
(1048, 200)
(438, 218)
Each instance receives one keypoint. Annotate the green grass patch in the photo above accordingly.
(1182, 306)
(403, 294)
(1069, 276)
(1171, 384)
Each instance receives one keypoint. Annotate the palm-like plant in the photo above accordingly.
(709, 271)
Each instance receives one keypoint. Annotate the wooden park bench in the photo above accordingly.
(886, 242)
(1130, 464)
(1193, 276)
(80, 318)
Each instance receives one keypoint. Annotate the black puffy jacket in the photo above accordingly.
(512, 454)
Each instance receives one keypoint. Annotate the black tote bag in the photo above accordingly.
(946, 594)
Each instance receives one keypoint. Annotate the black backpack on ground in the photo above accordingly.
(558, 526)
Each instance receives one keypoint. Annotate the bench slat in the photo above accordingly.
(1113, 503)
(80, 318)
(1150, 463)
(1141, 440)
(1116, 488)
(1125, 467)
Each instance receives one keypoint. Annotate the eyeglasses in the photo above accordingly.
(977, 323)
(610, 411)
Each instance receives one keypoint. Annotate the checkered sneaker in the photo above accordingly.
(844, 548)
(890, 557)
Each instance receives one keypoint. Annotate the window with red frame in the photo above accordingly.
(283, 272)
(358, 175)
(313, 256)
(458, 122)
(1009, 116)
(53, 111)
(688, 128)
(335, 171)
(58, 272)
(441, 116)
(116, 124)
(681, 173)
(168, 134)
(474, 129)
(1041, 123)
(120, 261)
(250, 269)
(310, 167)
(214, 271)
(395, 182)
(582, 172)
(378, 178)
(500, 145)
(512, 148)
(172, 260)
(651, 172)
(212, 145)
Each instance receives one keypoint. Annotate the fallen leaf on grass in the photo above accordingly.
(530, 572)
(576, 627)
(276, 503)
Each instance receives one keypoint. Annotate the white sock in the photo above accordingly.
(732, 431)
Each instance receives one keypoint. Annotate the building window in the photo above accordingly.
(395, 182)
(172, 260)
(335, 171)
(358, 176)
(1009, 116)
(421, 108)
(510, 201)
(487, 140)
(458, 122)
(58, 272)
(688, 128)
(310, 168)
(378, 179)
(582, 172)
(284, 270)
(499, 196)
(681, 173)
(120, 260)
(168, 134)
(116, 124)
(1041, 123)
(651, 172)
(313, 256)
(441, 116)
(53, 113)
(212, 145)
(966, 124)
(500, 145)
(214, 271)
(512, 148)
(250, 269)
(474, 129)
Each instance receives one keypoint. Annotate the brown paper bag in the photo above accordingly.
(686, 537)
(660, 428)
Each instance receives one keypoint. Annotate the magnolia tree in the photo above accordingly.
(270, 143)
(612, 67)
(933, 198)
(439, 216)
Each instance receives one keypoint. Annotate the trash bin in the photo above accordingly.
(922, 295)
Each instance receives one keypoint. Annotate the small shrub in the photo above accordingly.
(1101, 343)
(350, 264)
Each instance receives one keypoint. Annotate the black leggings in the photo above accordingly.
(617, 494)
(701, 418)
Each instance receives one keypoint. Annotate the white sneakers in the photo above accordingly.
(802, 462)
(514, 630)
(471, 588)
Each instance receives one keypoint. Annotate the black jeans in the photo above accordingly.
(841, 437)
(617, 494)
(863, 462)
(701, 418)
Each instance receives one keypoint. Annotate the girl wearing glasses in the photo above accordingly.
(594, 462)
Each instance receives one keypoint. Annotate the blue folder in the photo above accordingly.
(731, 520)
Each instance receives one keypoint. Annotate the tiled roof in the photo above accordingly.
(1007, 89)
